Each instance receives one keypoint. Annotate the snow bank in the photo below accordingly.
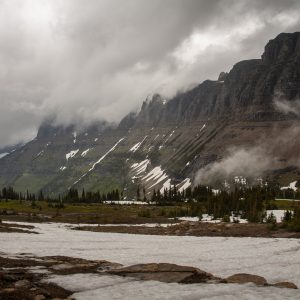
(279, 214)
(275, 259)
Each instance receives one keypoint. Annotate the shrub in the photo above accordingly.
(226, 219)
(272, 222)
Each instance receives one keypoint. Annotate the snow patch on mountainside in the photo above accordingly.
(74, 137)
(40, 153)
(138, 145)
(103, 156)
(166, 186)
(202, 127)
(98, 161)
(157, 175)
(292, 186)
(154, 174)
(71, 154)
(3, 154)
(141, 167)
(85, 152)
(184, 184)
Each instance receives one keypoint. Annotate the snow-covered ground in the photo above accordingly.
(275, 259)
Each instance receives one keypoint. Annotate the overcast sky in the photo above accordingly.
(99, 59)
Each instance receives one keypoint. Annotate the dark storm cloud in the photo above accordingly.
(88, 60)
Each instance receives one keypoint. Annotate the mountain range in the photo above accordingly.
(242, 127)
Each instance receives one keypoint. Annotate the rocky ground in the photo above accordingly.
(11, 227)
(200, 229)
(24, 277)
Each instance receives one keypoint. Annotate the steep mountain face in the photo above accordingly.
(167, 142)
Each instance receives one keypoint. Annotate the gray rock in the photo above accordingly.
(246, 278)
(165, 273)
(286, 284)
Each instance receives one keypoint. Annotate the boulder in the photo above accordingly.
(286, 284)
(246, 278)
(165, 273)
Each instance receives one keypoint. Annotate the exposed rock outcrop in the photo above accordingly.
(246, 278)
(165, 272)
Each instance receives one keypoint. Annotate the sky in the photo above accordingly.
(82, 61)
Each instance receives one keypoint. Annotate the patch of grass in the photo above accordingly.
(92, 213)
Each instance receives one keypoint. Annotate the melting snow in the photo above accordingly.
(71, 154)
(215, 192)
(156, 174)
(98, 161)
(202, 127)
(274, 258)
(96, 139)
(84, 153)
(138, 145)
(184, 184)
(102, 157)
(278, 214)
(74, 136)
(292, 186)
(3, 154)
(40, 153)
(62, 168)
(141, 167)
(166, 185)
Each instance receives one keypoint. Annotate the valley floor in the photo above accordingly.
(274, 258)
(196, 229)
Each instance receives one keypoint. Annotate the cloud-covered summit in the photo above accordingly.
(82, 61)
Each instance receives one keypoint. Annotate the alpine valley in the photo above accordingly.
(254, 108)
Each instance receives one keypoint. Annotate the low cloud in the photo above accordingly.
(279, 150)
(83, 62)
(288, 107)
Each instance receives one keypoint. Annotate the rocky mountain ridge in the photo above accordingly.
(167, 142)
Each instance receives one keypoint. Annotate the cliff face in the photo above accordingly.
(167, 140)
(245, 93)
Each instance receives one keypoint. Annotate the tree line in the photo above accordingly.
(71, 196)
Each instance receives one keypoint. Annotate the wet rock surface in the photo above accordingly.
(246, 278)
(165, 273)
(25, 277)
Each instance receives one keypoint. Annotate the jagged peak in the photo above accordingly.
(281, 47)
